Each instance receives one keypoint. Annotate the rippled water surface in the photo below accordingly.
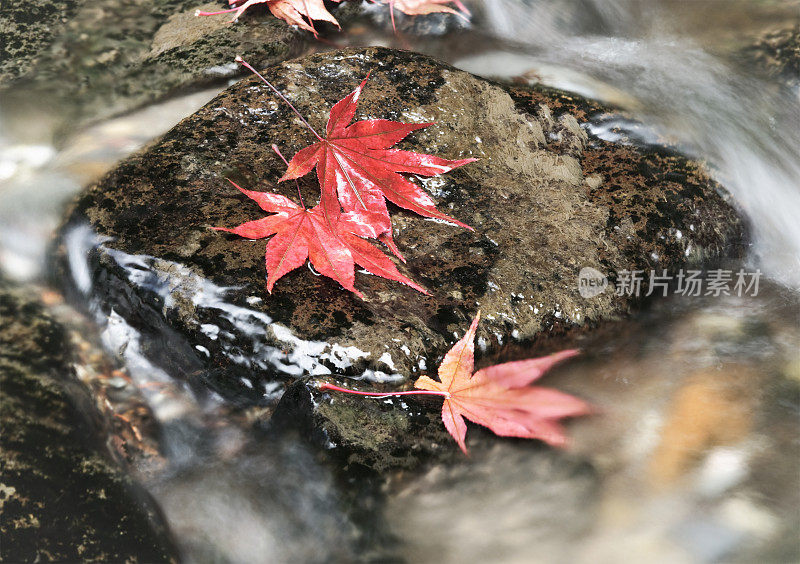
(695, 448)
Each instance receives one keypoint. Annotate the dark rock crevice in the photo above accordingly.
(63, 497)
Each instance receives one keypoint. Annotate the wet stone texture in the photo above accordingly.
(351, 15)
(26, 30)
(62, 497)
(546, 199)
(777, 55)
(95, 59)
(375, 435)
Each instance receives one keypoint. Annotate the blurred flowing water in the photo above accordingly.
(695, 453)
(677, 83)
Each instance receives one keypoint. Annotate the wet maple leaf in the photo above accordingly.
(358, 171)
(299, 233)
(499, 397)
(301, 13)
(422, 7)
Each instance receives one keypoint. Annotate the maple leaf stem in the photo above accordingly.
(278, 93)
(217, 13)
(391, 11)
(300, 195)
(310, 19)
(327, 386)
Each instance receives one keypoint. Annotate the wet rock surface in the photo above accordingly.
(379, 16)
(375, 435)
(546, 199)
(26, 30)
(777, 55)
(62, 497)
(95, 59)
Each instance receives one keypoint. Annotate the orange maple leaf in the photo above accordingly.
(423, 7)
(301, 13)
(499, 397)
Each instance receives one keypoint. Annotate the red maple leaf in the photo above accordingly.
(298, 233)
(498, 397)
(358, 171)
(355, 165)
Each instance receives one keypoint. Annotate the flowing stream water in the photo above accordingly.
(696, 453)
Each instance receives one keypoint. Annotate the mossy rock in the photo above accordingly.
(777, 55)
(376, 435)
(546, 199)
(96, 59)
(62, 497)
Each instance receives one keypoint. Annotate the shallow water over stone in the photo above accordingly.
(693, 454)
